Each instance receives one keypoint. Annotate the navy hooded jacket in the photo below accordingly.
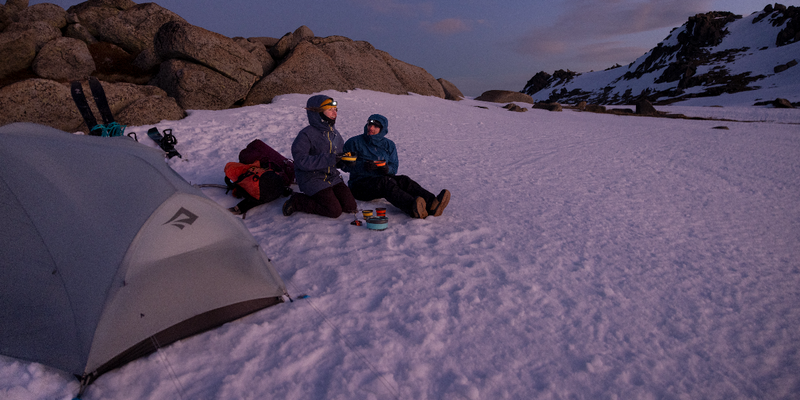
(314, 151)
(371, 148)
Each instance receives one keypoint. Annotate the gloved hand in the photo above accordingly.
(373, 166)
(342, 163)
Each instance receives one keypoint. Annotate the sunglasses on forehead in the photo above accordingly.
(375, 123)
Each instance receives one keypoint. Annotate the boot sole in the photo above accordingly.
(421, 208)
(442, 204)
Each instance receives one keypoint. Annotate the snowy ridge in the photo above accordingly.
(714, 54)
(582, 255)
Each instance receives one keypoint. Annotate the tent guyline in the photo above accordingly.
(395, 393)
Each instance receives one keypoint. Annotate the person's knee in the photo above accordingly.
(332, 211)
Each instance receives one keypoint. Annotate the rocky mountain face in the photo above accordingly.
(154, 65)
(710, 54)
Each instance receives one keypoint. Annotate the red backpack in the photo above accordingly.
(259, 151)
(261, 175)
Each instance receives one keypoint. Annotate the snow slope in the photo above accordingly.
(582, 256)
(749, 48)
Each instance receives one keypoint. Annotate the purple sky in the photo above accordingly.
(478, 45)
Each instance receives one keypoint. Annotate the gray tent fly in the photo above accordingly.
(108, 254)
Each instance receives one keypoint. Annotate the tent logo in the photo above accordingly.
(182, 218)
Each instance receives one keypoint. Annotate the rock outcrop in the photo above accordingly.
(204, 69)
(22, 48)
(135, 28)
(64, 59)
(451, 92)
(39, 100)
(154, 65)
(548, 106)
(504, 96)
(341, 64)
(305, 71)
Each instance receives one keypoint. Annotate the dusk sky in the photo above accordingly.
(477, 45)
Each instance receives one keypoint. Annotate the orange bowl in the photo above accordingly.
(380, 163)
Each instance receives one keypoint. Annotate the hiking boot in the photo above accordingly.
(288, 207)
(432, 206)
(443, 198)
(419, 209)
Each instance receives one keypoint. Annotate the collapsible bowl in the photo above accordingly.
(377, 223)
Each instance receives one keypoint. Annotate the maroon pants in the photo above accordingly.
(330, 202)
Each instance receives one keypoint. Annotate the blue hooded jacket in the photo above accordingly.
(314, 151)
(371, 148)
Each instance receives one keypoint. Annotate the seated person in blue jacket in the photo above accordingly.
(373, 175)
(317, 151)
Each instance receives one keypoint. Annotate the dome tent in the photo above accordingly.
(108, 254)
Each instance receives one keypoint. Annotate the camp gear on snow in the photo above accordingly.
(380, 212)
(108, 130)
(377, 223)
(366, 213)
(345, 160)
(257, 185)
(378, 166)
(79, 97)
(257, 150)
(119, 256)
(99, 95)
(349, 157)
(109, 127)
(166, 142)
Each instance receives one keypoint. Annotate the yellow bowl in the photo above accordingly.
(348, 158)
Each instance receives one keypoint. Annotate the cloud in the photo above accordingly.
(585, 21)
(447, 26)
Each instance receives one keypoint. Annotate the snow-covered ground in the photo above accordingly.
(752, 51)
(582, 256)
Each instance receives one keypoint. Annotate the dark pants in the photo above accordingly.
(330, 202)
(399, 190)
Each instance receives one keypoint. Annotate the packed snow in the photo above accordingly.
(582, 256)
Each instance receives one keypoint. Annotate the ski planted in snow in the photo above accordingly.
(79, 97)
(167, 142)
(109, 127)
(100, 99)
